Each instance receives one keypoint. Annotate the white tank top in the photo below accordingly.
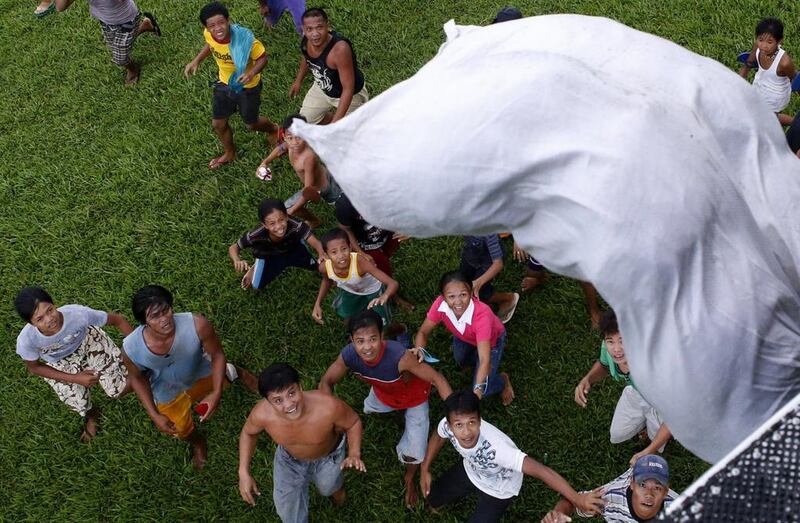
(354, 283)
(774, 90)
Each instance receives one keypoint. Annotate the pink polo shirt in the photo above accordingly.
(483, 325)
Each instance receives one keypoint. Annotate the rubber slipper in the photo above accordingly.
(216, 163)
(264, 174)
(152, 18)
(506, 317)
(46, 11)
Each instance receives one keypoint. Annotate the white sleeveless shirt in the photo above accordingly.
(354, 283)
(774, 90)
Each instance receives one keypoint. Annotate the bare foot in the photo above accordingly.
(91, 426)
(247, 378)
(199, 451)
(44, 7)
(411, 498)
(508, 391)
(145, 26)
(531, 282)
(216, 163)
(339, 497)
(132, 74)
(403, 303)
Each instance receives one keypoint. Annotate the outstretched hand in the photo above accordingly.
(555, 516)
(352, 462)
(190, 69)
(592, 502)
(247, 488)
(581, 391)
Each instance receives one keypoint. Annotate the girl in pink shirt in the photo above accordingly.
(478, 335)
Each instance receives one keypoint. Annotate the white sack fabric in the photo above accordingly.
(619, 158)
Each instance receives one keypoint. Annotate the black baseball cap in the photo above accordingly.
(506, 14)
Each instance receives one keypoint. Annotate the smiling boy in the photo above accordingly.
(239, 84)
(398, 382)
(637, 496)
(312, 430)
(493, 467)
(633, 413)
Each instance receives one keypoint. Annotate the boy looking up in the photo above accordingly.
(311, 430)
(398, 382)
(240, 59)
(493, 466)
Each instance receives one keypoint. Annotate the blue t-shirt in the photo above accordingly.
(480, 251)
(173, 372)
(32, 344)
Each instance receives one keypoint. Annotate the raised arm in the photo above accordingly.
(421, 339)
(324, 287)
(346, 420)
(365, 266)
(247, 447)
(595, 374)
(435, 444)
(335, 373)
(317, 246)
(423, 371)
(341, 59)
(191, 67)
(588, 503)
(659, 440)
(213, 347)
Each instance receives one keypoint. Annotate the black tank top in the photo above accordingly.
(326, 78)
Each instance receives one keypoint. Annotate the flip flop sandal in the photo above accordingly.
(152, 18)
(264, 174)
(46, 11)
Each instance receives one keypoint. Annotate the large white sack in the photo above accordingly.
(619, 158)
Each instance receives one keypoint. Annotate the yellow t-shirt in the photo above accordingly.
(222, 54)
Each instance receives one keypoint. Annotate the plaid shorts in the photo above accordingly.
(120, 37)
(98, 352)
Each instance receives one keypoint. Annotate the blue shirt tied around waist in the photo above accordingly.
(242, 40)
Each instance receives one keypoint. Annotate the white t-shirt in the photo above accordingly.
(32, 344)
(494, 464)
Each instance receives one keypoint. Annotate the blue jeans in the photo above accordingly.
(466, 355)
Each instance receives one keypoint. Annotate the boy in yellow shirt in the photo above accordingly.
(240, 59)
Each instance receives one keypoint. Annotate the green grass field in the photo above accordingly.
(105, 188)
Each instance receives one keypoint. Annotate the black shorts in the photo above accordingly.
(534, 265)
(455, 484)
(225, 102)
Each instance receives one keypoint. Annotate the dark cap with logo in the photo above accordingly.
(506, 14)
(651, 467)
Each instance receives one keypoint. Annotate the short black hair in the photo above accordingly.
(333, 234)
(770, 25)
(28, 299)
(608, 323)
(454, 276)
(148, 297)
(277, 377)
(364, 320)
(213, 9)
(462, 402)
(287, 122)
(268, 205)
(313, 12)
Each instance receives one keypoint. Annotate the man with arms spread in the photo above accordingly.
(637, 496)
(338, 83)
(310, 429)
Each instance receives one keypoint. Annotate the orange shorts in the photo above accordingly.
(179, 410)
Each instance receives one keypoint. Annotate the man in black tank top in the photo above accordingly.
(338, 83)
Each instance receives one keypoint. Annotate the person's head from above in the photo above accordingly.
(609, 330)
(366, 334)
(35, 306)
(507, 14)
(152, 307)
(293, 142)
(272, 214)
(769, 35)
(215, 18)
(463, 411)
(649, 486)
(316, 26)
(457, 291)
(337, 246)
(279, 384)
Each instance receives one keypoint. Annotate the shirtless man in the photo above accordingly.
(317, 180)
(308, 428)
(338, 87)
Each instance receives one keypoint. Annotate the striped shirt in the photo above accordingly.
(618, 509)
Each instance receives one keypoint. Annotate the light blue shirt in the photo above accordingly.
(176, 371)
(32, 344)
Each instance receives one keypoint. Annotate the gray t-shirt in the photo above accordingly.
(32, 344)
(113, 12)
